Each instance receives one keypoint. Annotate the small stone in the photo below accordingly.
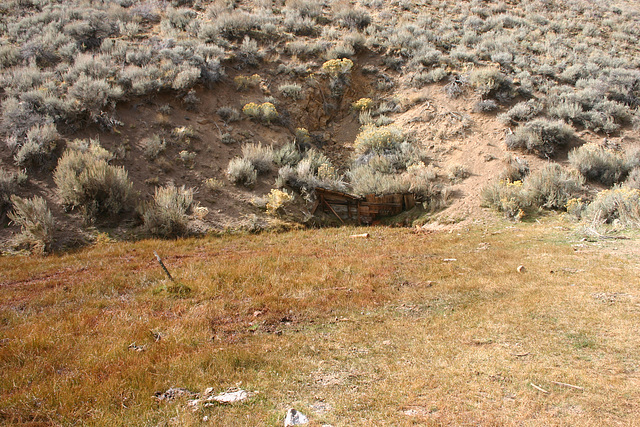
(295, 418)
(521, 269)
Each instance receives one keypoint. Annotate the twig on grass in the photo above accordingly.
(567, 385)
(539, 388)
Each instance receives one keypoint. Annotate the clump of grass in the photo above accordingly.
(36, 222)
(168, 214)
(213, 184)
(87, 181)
(541, 136)
(599, 163)
(183, 133)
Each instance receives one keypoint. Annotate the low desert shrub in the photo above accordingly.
(337, 67)
(265, 112)
(378, 139)
(153, 146)
(291, 90)
(288, 154)
(620, 204)
(363, 104)
(485, 105)
(229, 114)
(541, 136)
(87, 181)
(247, 82)
(36, 222)
(522, 112)
(599, 163)
(552, 186)
(633, 180)
(241, 171)
(260, 156)
(507, 197)
(39, 145)
(276, 200)
(168, 214)
(515, 170)
(367, 180)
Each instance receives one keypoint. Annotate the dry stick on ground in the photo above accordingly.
(163, 266)
(567, 385)
(539, 388)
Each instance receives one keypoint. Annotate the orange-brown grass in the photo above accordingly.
(378, 331)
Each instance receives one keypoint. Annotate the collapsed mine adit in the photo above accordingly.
(364, 209)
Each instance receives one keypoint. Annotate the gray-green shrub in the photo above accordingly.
(87, 181)
(168, 214)
(600, 164)
(241, 171)
(541, 136)
(36, 222)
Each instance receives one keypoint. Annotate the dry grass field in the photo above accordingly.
(403, 328)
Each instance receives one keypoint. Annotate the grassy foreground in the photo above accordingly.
(402, 328)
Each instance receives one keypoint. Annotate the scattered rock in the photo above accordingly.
(173, 393)
(295, 418)
(521, 269)
(228, 397)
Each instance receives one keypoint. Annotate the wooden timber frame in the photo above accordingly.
(365, 209)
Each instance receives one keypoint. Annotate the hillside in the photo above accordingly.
(433, 98)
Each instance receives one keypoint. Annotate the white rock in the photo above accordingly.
(231, 397)
(295, 418)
